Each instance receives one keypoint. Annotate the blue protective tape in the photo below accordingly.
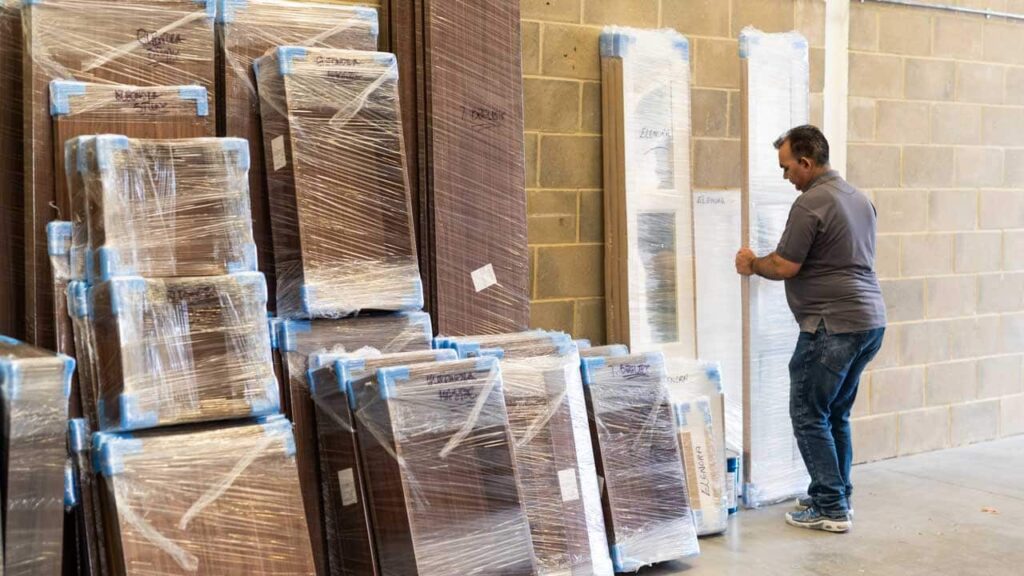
(78, 299)
(280, 428)
(110, 264)
(69, 373)
(388, 377)
(285, 55)
(289, 329)
(590, 365)
(682, 45)
(70, 487)
(498, 353)
(61, 92)
(226, 10)
(616, 554)
(10, 376)
(466, 349)
(58, 238)
(616, 43)
(78, 435)
(198, 94)
(270, 403)
(109, 451)
(133, 417)
(307, 296)
(210, 6)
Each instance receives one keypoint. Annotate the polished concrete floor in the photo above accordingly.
(957, 512)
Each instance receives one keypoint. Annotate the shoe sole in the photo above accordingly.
(834, 526)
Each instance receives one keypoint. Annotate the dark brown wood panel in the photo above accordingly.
(12, 215)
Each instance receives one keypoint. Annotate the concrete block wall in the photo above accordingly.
(562, 74)
(936, 127)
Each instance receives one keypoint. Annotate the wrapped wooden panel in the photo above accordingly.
(647, 510)
(59, 248)
(451, 504)
(247, 30)
(547, 413)
(134, 42)
(607, 350)
(209, 500)
(341, 213)
(649, 223)
(774, 97)
(87, 512)
(158, 112)
(350, 546)
(34, 385)
(475, 166)
(12, 215)
(297, 340)
(162, 208)
(510, 346)
(182, 350)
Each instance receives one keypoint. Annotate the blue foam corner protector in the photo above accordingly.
(748, 39)
(78, 299)
(467, 349)
(110, 449)
(133, 417)
(498, 353)
(353, 403)
(447, 355)
(10, 378)
(616, 554)
(388, 377)
(682, 46)
(78, 435)
(110, 264)
(270, 402)
(9, 341)
(239, 146)
(197, 94)
(583, 344)
(487, 363)
(289, 329)
(209, 6)
(226, 10)
(616, 43)
(106, 145)
(58, 238)
(307, 296)
(714, 374)
(248, 262)
(69, 373)
(123, 291)
(281, 428)
(285, 56)
(61, 92)
(70, 487)
(367, 14)
(589, 365)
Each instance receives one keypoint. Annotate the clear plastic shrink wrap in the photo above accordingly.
(350, 546)
(509, 346)
(775, 98)
(182, 350)
(695, 388)
(297, 340)
(12, 168)
(440, 471)
(606, 350)
(648, 206)
(87, 514)
(647, 510)
(34, 385)
(58, 245)
(247, 30)
(161, 208)
(339, 194)
(204, 500)
(133, 42)
(84, 108)
(554, 458)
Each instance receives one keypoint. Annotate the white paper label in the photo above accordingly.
(349, 494)
(277, 151)
(484, 278)
(567, 481)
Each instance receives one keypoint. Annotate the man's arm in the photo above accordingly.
(772, 266)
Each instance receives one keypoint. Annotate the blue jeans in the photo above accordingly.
(824, 375)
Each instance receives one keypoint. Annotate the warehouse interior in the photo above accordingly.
(448, 287)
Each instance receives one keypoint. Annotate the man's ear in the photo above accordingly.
(805, 162)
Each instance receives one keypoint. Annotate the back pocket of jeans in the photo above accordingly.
(838, 352)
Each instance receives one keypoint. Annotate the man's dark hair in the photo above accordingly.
(806, 142)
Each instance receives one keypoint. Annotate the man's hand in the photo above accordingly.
(745, 262)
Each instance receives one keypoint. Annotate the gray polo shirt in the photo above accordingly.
(831, 232)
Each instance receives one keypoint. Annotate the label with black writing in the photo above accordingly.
(483, 117)
(162, 47)
(140, 99)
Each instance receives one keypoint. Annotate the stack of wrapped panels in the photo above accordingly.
(204, 500)
(647, 511)
(339, 194)
(34, 385)
(131, 42)
(774, 98)
(247, 30)
(297, 340)
(12, 201)
(350, 545)
(441, 473)
(554, 458)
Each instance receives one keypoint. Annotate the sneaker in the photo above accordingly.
(805, 502)
(811, 519)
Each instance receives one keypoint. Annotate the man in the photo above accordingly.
(827, 258)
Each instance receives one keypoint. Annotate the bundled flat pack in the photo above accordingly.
(695, 388)
(554, 459)
(774, 98)
(87, 513)
(158, 112)
(247, 30)
(182, 350)
(648, 213)
(207, 500)
(339, 193)
(58, 234)
(132, 42)
(84, 332)
(647, 510)
(12, 201)
(162, 208)
(350, 546)
(297, 340)
(510, 346)
(716, 236)
(440, 471)
(34, 385)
